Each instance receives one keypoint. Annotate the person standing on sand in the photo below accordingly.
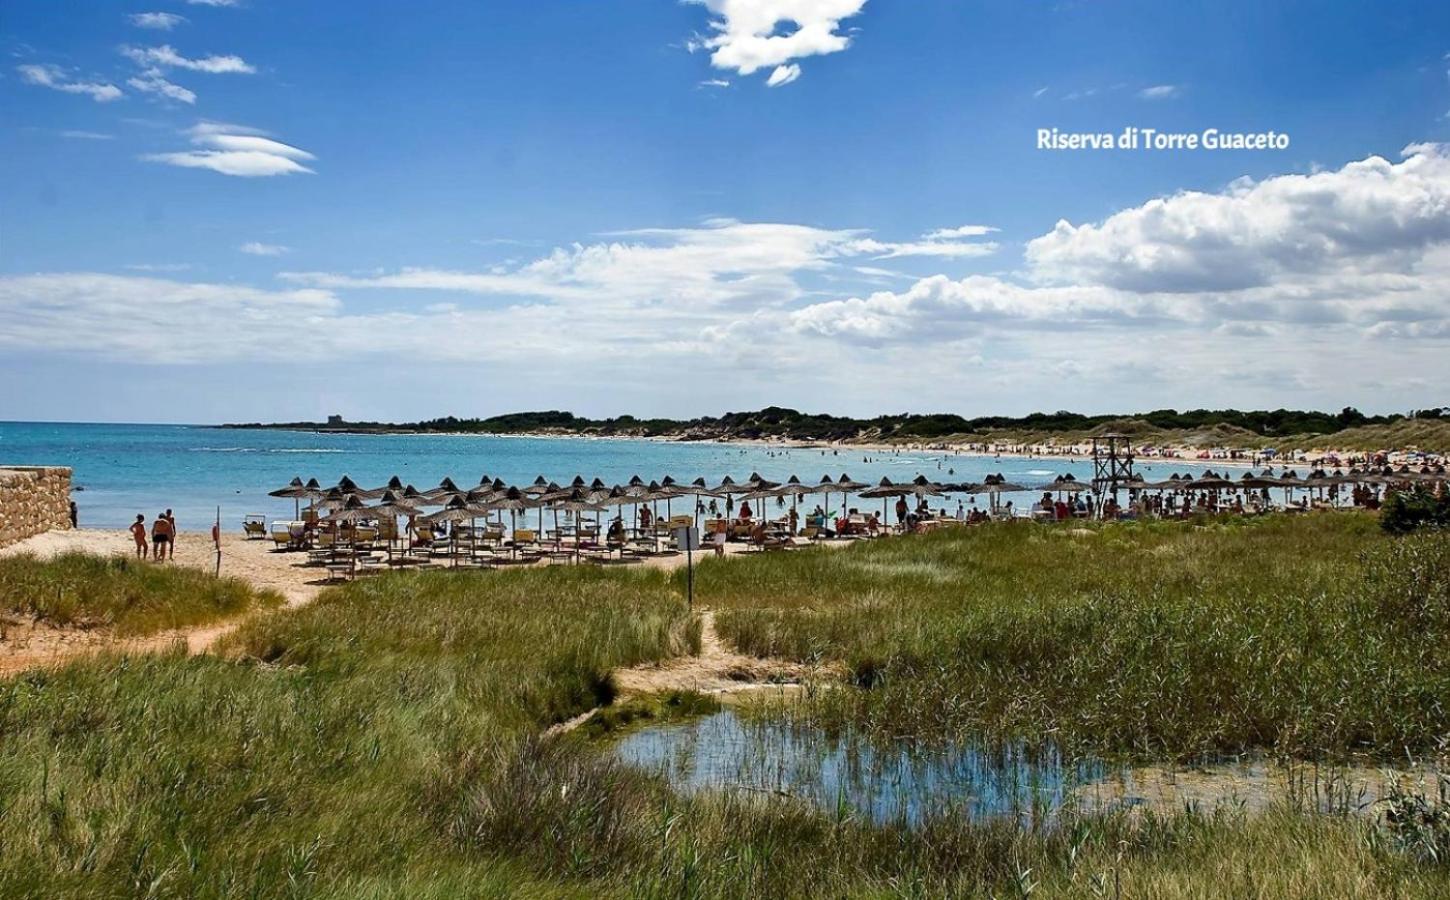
(171, 539)
(138, 531)
(160, 537)
(74, 515)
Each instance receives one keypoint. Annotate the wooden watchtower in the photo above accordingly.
(1112, 464)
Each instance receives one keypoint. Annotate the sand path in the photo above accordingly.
(25, 644)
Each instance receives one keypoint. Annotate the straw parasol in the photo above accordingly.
(844, 486)
(296, 490)
(1065, 484)
(1209, 481)
(996, 485)
(922, 487)
(886, 490)
(352, 510)
(332, 499)
(395, 484)
(445, 488)
(392, 506)
(727, 486)
(577, 501)
(456, 511)
(1253, 482)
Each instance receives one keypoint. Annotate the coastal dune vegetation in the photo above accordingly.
(390, 740)
(1155, 639)
(1349, 429)
(131, 597)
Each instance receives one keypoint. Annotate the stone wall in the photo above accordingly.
(33, 500)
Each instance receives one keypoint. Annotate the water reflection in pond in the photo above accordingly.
(728, 750)
(903, 782)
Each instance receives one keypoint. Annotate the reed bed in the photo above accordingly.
(133, 597)
(386, 742)
(1314, 637)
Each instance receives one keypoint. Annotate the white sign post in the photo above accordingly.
(687, 538)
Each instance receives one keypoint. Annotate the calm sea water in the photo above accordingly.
(122, 470)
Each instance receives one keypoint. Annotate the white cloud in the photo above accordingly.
(1159, 92)
(1037, 94)
(257, 248)
(158, 21)
(1369, 216)
(87, 135)
(783, 75)
(750, 35)
(158, 267)
(214, 2)
(715, 83)
(753, 305)
(166, 56)
(55, 78)
(236, 150)
(151, 81)
(961, 231)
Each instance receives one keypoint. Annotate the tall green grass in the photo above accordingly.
(385, 742)
(131, 596)
(1156, 640)
(326, 754)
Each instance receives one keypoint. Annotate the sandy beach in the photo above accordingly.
(25, 644)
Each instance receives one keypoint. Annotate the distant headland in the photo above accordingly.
(1348, 429)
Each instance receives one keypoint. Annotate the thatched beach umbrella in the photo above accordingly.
(457, 511)
(885, 490)
(577, 501)
(395, 484)
(295, 490)
(1065, 484)
(921, 486)
(445, 488)
(513, 500)
(1253, 482)
(1209, 481)
(392, 506)
(994, 486)
(727, 486)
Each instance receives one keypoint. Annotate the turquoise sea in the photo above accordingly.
(122, 470)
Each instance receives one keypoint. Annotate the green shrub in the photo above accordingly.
(1406, 511)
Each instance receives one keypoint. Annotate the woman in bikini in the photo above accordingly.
(138, 531)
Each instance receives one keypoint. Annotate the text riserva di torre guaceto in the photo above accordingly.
(1133, 138)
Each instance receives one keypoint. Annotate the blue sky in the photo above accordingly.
(261, 210)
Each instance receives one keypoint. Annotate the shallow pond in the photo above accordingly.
(753, 753)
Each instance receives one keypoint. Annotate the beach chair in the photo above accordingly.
(254, 527)
(282, 536)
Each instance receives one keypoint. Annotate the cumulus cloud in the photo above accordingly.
(749, 35)
(1368, 216)
(755, 303)
(257, 248)
(56, 78)
(157, 21)
(165, 56)
(236, 150)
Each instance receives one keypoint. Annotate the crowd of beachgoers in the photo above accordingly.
(351, 529)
